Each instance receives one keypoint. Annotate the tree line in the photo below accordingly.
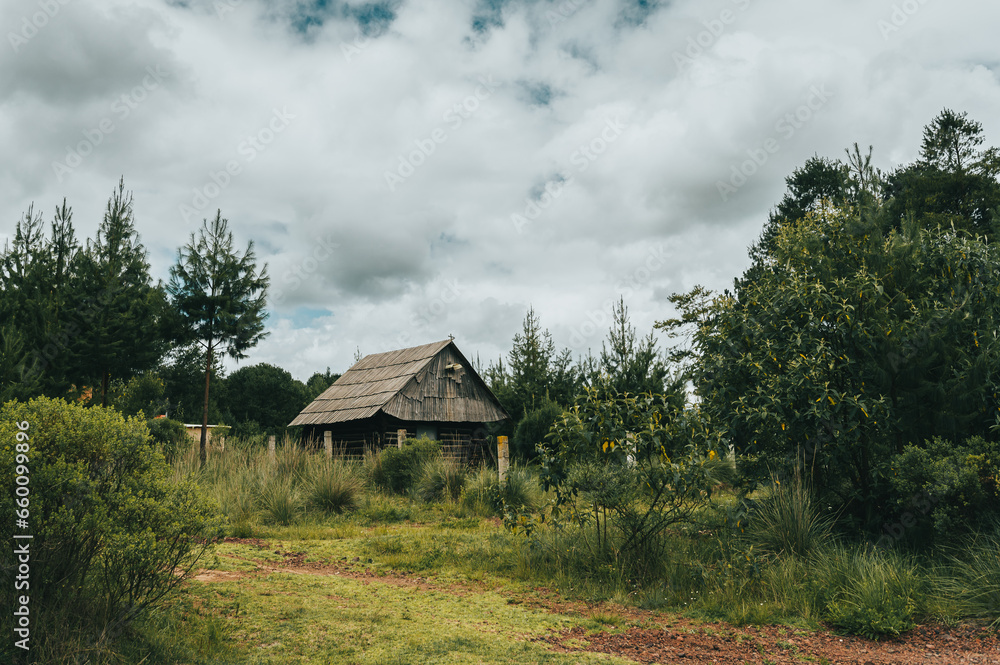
(82, 319)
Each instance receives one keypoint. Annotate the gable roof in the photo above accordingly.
(402, 384)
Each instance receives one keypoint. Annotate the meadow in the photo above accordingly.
(410, 560)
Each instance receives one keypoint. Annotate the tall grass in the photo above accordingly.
(785, 521)
(334, 486)
(440, 479)
(251, 488)
(485, 495)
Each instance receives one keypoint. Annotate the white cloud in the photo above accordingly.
(438, 253)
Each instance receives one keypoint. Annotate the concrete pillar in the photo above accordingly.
(400, 437)
(271, 451)
(328, 443)
(503, 457)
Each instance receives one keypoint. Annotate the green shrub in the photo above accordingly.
(110, 529)
(170, 437)
(786, 521)
(143, 393)
(944, 490)
(397, 469)
(533, 429)
(441, 479)
(333, 486)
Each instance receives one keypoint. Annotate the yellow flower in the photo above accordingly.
(711, 454)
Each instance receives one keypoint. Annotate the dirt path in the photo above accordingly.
(653, 637)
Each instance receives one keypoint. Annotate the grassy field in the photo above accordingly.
(322, 566)
(440, 589)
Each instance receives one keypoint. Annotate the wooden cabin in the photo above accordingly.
(429, 390)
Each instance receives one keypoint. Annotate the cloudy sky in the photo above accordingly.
(410, 170)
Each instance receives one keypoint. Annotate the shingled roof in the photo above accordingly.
(433, 383)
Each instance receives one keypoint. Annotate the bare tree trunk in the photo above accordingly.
(104, 388)
(203, 451)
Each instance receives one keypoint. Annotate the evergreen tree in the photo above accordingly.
(632, 365)
(37, 281)
(319, 382)
(220, 295)
(954, 183)
(120, 320)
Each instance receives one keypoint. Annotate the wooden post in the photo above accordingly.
(400, 437)
(503, 457)
(271, 451)
(328, 443)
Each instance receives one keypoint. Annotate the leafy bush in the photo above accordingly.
(111, 532)
(943, 490)
(333, 486)
(533, 429)
(441, 479)
(170, 437)
(143, 393)
(649, 442)
(397, 469)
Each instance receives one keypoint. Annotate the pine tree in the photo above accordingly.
(220, 296)
(119, 321)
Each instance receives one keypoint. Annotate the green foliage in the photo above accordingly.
(535, 373)
(485, 495)
(977, 575)
(532, 430)
(334, 486)
(855, 341)
(318, 383)
(170, 437)
(121, 311)
(111, 532)
(786, 521)
(630, 364)
(220, 297)
(38, 288)
(944, 490)
(441, 480)
(280, 499)
(873, 594)
(264, 394)
(646, 442)
(142, 393)
(397, 469)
